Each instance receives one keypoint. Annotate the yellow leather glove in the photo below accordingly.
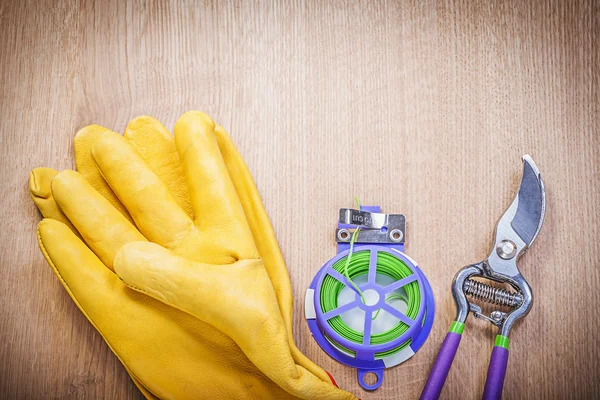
(184, 364)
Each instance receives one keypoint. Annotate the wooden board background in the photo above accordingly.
(423, 107)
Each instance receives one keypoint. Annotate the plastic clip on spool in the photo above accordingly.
(389, 318)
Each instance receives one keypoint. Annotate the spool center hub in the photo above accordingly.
(371, 297)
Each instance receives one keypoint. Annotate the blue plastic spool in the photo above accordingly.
(365, 359)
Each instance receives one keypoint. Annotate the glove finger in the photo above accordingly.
(40, 190)
(86, 166)
(152, 207)
(103, 228)
(237, 300)
(66, 253)
(155, 145)
(212, 194)
(265, 240)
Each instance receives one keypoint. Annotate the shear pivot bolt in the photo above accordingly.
(506, 249)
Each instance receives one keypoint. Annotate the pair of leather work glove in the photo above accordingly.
(164, 245)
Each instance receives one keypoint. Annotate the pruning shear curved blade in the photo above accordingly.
(531, 203)
(520, 225)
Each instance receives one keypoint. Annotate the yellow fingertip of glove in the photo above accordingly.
(83, 143)
(89, 131)
(40, 190)
(62, 182)
(194, 121)
(141, 125)
(40, 180)
(105, 142)
(49, 227)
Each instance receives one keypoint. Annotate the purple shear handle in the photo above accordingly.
(439, 372)
(496, 372)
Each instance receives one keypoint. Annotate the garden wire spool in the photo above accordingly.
(383, 314)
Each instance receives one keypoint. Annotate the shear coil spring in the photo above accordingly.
(490, 294)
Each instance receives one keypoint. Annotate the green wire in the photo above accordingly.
(357, 264)
(348, 260)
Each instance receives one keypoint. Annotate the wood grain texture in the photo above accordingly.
(423, 107)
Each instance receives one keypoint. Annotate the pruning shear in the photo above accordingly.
(516, 231)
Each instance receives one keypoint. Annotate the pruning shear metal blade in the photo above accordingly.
(529, 216)
(518, 228)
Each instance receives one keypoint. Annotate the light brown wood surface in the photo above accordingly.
(422, 107)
